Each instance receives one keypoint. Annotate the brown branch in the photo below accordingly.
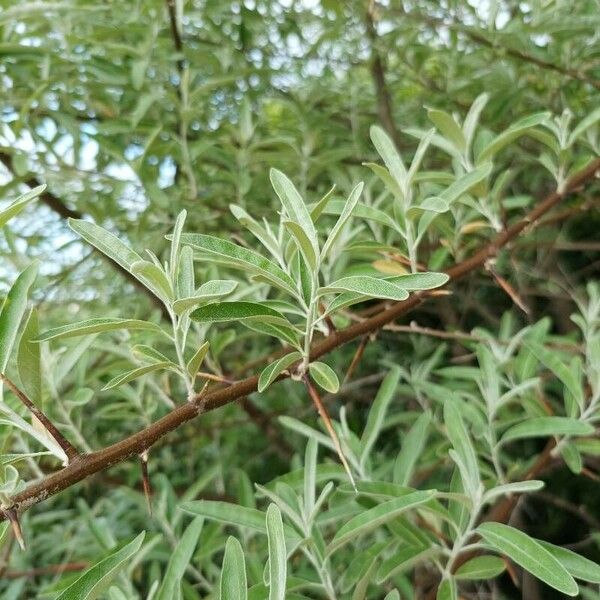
(136, 443)
(49, 426)
(49, 570)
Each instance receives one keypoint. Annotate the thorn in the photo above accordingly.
(146, 480)
(358, 355)
(13, 517)
(314, 394)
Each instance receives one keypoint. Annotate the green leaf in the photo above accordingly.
(272, 371)
(13, 311)
(584, 125)
(176, 244)
(238, 311)
(19, 204)
(153, 277)
(465, 183)
(91, 326)
(393, 595)
(449, 128)
(472, 118)
(447, 589)
(510, 135)
(546, 426)
(578, 566)
(262, 234)
(211, 290)
(376, 418)
(316, 210)
(303, 243)
(179, 560)
(233, 574)
(530, 555)
(517, 487)
(194, 363)
(135, 373)
(29, 360)
(371, 287)
(277, 554)
(344, 217)
(387, 150)
(106, 242)
(324, 376)
(412, 446)
(420, 281)
(295, 207)
(96, 579)
(230, 254)
(481, 567)
(375, 517)
(148, 354)
(461, 442)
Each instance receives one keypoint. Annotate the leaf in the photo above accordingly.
(546, 426)
(153, 277)
(238, 311)
(420, 281)
(481, 567)
(461, 442)
(551, 361)
(303, 242)
(366, 286)
(449, 128)
(377, 516)
(29, 360)
(472, 118)
(584, 125)
(148, 354)
(19, 204)
(135, 373)
(324, 376)
(277, 554)
(511, 134)
(447, 589)
(106, 242)
(349, 207)
(13, 310)
(272, 371)
(530, 555)
(230, 254)
(578, 566)
(393, 595)
(97, 578)
(412, 446)
(179, 560)
(387, 150)
(295, 207)
(233, 574)
(176, 243)
(518, 487)
(419, 154)
(376, 418)
(194, 363)
(465, 183)
(91, 326)
(211, 290)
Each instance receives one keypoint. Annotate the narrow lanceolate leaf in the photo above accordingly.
(386, 149)
(481, 567)
(530, 555)
(211, 290)
(578, 566)
(449, 128)
(517, 487)
(377, 516)
(95, 581)
(194, 363)
(465, 183)
(135, 373)
(19, 204)
(349, 207)
(272, 371)
(294, 207)
(180, 558)
(472, 118)
(106, 242)
(303, 243)
(29, 360)
(229, 254)
(233, 574)
(324, 376)
(447, 590)
(153, 277)
(370, 287)
(546, 426)
(412, 446)
(91, 326)
(176, 244)
(238, 311)
(12, 312)
(420, 281)
(262, 234)
(393, 595)
(277, 554)
(376, 417)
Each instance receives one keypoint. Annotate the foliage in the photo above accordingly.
(300, 175)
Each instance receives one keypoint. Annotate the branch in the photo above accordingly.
(140, 441)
